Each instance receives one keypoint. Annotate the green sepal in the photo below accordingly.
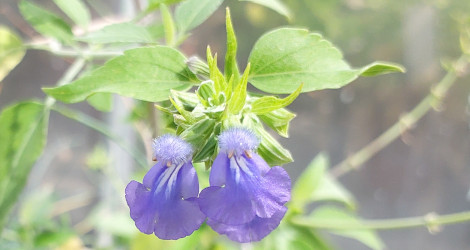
(198, 67)
(267, 104)
(214, 72)
(209, 151)
(198, 135)
(190, 117)
(238, 98)
(187, 100)
(168, 25)
(278, 120)
(270, 149)
(231, 67)
(207, 93)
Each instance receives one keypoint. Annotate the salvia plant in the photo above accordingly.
(219, 167)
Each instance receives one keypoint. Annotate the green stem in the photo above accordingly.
(406, 122)
(431, 221)
(103, 129)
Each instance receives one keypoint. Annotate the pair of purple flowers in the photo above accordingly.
(245, 200)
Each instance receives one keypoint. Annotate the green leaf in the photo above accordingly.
(330, 189)
(275, 5)
(11, 51)
(278, 120)
(101, 101)
(23, 129)
(45, 22)
(146, 74)
(119, 33)
(156, 31)
(168, 25)
(267, 104)
(379, 68)
(333, 215)
(308, 182)
(76, 10)
(316, 184)
(191, 13)
(287, 237)
(284, 57)
(231, 67)
(238, 98)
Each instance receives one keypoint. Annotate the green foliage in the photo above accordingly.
(101, 101)
(76, 10)
(119, 33)
(333, 215)
(275, 5)
(11, 51)
(284, 57)
(46, 22)
(308, 182)
(268, 104)
(145, 74)
(191, 13)
(23, 129)
(316, 184)
(287, 237)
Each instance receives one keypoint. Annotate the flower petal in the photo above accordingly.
(178, 219)
(152, 175)
(229, 205)
(254, 230)
(187, 182)
(274, 192)
(169, 208)
(219, 170)
(142, 209)
(259, 162)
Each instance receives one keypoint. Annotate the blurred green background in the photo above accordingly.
(427, 170)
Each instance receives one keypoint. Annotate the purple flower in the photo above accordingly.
(246, 198)
(165, 204)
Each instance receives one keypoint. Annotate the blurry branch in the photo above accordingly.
(71, 203)
(68, 76)
(54, 47)
(405, 123)
(57, 50)
(432, 221)
(103, 129)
